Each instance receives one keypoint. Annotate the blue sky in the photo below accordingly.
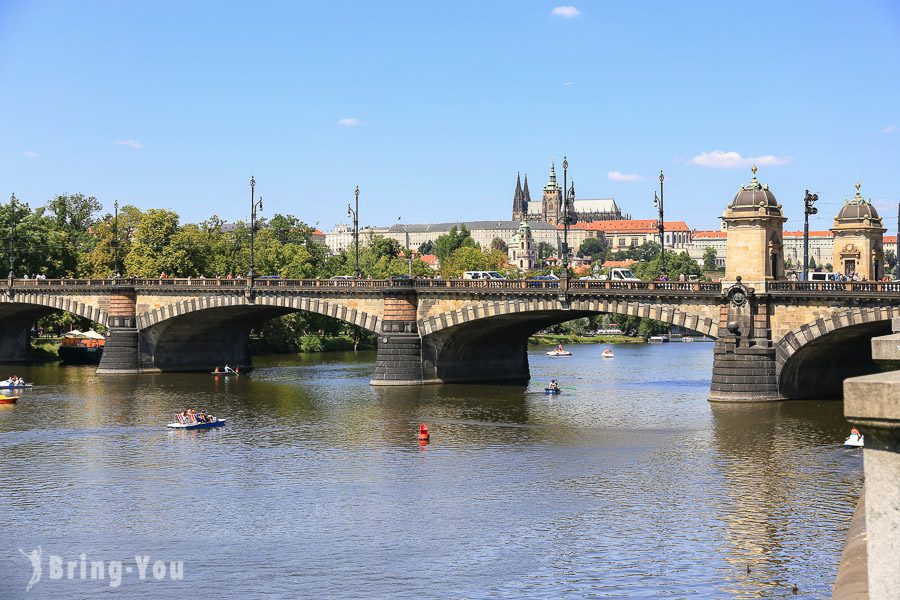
(432, 108)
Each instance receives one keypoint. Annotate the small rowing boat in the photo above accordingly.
(8, 399)
(224, 373)
(552, 392)
(207, 425)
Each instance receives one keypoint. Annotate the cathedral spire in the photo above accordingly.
(552, 182)
(525, 190)
(518, 200)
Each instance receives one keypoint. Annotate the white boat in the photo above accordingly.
(687, 338)
(854, 441)
(6, 384)
(657, 339)
(607, 353)
(559, 353)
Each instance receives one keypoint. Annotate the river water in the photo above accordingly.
(629, 484)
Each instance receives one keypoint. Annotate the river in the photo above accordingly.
(629, 484)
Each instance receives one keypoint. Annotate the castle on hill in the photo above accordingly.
(550, 207)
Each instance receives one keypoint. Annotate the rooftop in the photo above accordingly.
(629, 225)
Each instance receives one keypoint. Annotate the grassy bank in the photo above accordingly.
(570, 338)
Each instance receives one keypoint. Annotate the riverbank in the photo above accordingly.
(548, 339)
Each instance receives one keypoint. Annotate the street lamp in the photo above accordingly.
(565, 244)
(116, 240)
(661, 225)
(808, 209)
(253, 206)
(355, 215)
(408, 249)
(12, 240)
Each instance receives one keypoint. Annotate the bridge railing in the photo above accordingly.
(671, 286)
(871, 287)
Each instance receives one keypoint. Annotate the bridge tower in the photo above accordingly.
(744, 368)
(858, 239)
(755, 247)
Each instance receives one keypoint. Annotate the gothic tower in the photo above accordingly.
(519, 207)
(552, 201)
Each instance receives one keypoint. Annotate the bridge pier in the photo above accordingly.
(744, 368)
(399, 357)
(121, 354)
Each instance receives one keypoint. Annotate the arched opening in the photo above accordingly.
(819, 367)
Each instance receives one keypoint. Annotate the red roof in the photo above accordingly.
(890, 239)
(618, 263)
(708, 235)
(429, 259)
(629, 225)
(799, 234)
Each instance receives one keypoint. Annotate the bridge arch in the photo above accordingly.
(322, 306)
(813, 360)
(12, 303)
(488, 341)
(667, 313)
(200, 333)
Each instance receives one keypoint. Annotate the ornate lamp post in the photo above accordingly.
(116, 240)
(564, 248)
(253, 206)
(661, 225)
(12, 240)
(808, 209)
(355, 215)
(408, 249)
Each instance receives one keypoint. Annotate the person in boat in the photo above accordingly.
(553, 386)
(855, 431)
(217, 369)
(228, 369)
(560, 348)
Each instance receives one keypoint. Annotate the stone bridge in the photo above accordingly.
(786, 340)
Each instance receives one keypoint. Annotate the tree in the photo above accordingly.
(890, 257)
(498, 244)
(468, 258)
(709, 259)
(812, 263)
(545, 250)
(596, 248)
(426, 248)
(452, 241)
(152, 236)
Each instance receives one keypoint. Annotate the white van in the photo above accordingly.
(483, 275)
(620, 274)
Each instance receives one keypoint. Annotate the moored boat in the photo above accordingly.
(81, 348)
(8, 399)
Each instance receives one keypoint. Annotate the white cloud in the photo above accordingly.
(890, 128)
(133, 144)
(618, 176)
(567, 83)
(718, 159)
(349, 122)
(566, 12)
(31, 154)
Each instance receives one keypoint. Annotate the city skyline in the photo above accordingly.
(433, 110)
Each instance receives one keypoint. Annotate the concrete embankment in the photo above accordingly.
(852, 581)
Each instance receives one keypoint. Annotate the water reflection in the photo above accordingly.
(629, 483)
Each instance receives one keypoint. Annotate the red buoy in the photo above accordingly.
(423, 432)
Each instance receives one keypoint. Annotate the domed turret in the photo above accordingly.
(754, 247)
(858, 210)
(858, 239)
(755, 196)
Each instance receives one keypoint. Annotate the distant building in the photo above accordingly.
(341, 237)
(550, 208)
(631, 233)
(521, 249)
(701, 240)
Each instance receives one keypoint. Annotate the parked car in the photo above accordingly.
(547, 281)
(483, 275)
